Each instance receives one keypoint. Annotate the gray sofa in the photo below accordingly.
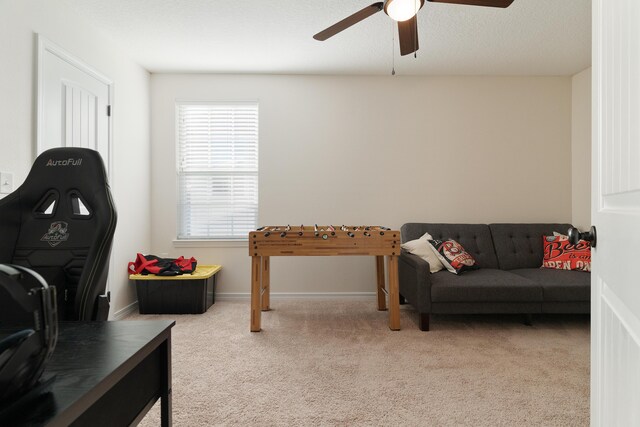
(509, 280)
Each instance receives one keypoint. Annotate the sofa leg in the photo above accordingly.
(528, 319)
(402, 300)
(423, 321)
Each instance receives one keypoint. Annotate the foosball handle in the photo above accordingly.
(284, 233)
(267, 234)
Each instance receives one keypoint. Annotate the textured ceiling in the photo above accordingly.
(531, 37)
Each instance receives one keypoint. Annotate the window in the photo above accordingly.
(217, 170)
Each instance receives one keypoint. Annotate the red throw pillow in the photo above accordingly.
(562, 255)
(453, 256)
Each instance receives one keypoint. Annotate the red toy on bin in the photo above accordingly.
(151, 264)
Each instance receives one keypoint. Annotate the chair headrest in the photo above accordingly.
(65, 168)
(77, 174)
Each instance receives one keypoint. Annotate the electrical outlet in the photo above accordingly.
(6, 183)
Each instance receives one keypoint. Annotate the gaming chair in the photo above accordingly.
(30, 324)
(60, 222)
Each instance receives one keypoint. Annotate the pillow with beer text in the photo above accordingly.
(560, 254)
(424, 250)
(453, 256)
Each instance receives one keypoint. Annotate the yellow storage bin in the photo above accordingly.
(184, 294)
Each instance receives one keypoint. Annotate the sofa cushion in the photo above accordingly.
(559, 285)
(475, 238)
(484, 285)
(520, 245)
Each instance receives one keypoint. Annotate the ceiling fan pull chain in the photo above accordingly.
(393, 50)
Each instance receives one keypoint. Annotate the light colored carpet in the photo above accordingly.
(335, 362)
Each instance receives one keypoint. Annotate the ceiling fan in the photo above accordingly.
(405, 13)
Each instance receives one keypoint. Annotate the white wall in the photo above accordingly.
(377, 150)
(19, 21)
(581, 149)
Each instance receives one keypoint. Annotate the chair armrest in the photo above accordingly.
(415, 284)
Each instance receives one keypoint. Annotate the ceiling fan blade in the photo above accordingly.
(489, 3)
(349, 21)
(408, 35)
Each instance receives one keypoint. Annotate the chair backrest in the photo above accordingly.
(60, 222)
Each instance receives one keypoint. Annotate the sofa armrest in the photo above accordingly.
(415, 284)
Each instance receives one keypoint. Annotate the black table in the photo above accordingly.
(107, 374)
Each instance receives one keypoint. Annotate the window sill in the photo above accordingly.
(210, 243)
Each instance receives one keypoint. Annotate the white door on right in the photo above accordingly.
(615, 326)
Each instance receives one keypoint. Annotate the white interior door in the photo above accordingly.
(615, 351)
(73, 103)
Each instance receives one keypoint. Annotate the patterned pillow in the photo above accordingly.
(453, 256)
(561, 255)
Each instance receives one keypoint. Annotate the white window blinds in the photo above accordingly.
(217, 170)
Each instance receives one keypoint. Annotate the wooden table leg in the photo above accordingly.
(255, 294)
(266, 287)
(394, 294)
(382, 299)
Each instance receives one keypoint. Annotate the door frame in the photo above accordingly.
(45, 45)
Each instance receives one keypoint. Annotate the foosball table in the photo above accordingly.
(327, 240)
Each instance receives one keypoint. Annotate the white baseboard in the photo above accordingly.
(295, 295)
(124, 312)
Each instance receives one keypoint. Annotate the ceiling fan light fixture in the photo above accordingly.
(401, 10)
